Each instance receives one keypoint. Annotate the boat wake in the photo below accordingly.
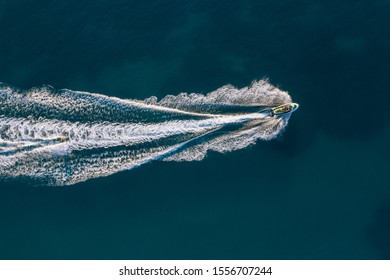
(62, 137)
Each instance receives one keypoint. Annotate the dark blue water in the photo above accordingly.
(320, 192)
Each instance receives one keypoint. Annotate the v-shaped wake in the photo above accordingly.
(62, 137)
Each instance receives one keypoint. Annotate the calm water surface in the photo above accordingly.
(321, 191)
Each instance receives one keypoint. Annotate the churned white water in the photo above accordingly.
(62, 137)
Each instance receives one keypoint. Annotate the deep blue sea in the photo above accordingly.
(320, 191)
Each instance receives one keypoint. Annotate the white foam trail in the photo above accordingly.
(62, 137)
